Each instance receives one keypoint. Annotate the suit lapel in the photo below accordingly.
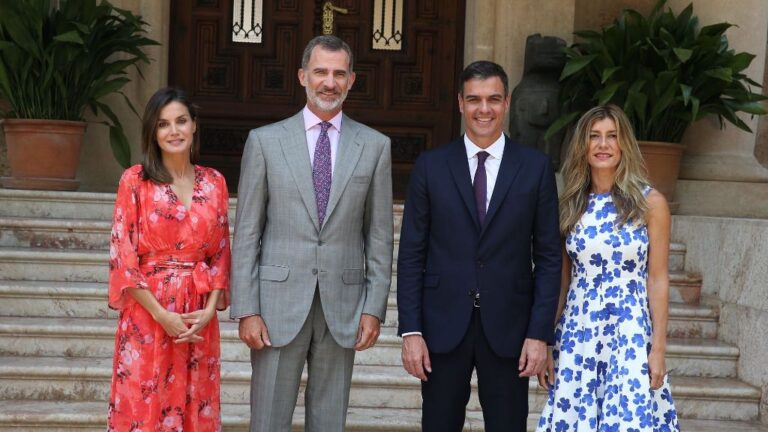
(297, 157)
(508, 169)
(347, 155)
(459, 167)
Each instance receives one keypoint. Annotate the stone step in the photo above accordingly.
(695, 321)
(95, 206)
(676, 257)
(685, 356)
(67, 416)
(56, 204)
(53, 265)
(83, 379)
(20, 263)
(94, 337)
(64, 205)
(47, 233)
(84, 234)
(684, 287)
(89, 300)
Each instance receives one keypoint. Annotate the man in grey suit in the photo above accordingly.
(312, 254)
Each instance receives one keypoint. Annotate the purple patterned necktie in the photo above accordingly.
(481, 186)
(321, 171)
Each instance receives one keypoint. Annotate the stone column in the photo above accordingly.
(721, 175)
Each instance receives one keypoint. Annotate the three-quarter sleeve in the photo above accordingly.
(218, 253)
(124, 269)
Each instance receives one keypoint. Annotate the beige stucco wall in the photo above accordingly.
(761, 146)
(729, 154)
(98, 169)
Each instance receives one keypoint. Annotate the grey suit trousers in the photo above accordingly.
(277, 375)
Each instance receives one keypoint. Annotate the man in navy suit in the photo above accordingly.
(479, 265)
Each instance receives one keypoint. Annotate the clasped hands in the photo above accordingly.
(253, 331)
(184, 327)
(415, 356)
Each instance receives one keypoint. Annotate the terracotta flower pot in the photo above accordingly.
(663, 162)
(43, 154)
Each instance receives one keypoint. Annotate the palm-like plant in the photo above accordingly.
(662, 70)
(57, 62)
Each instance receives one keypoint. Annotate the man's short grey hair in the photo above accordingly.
(327, 42)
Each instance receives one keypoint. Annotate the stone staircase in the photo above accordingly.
(57, 337)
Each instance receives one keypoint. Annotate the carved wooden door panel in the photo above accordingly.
(408, 94)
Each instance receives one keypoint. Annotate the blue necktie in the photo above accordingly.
(321, 171)
(481, 186)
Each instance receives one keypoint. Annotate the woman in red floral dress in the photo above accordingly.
(168, 274)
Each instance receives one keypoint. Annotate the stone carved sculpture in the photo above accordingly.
(535, 103)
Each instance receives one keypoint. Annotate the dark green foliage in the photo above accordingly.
(56, 62)
(662, 70)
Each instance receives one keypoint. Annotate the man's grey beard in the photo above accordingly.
(323, 104)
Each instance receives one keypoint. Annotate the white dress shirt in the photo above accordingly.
(492, 163)
(312, 128)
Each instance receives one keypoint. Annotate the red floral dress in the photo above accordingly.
(180, 255)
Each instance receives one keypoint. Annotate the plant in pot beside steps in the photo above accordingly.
(56, 62)
(666, 73)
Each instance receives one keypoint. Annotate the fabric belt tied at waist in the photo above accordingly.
(184, 263)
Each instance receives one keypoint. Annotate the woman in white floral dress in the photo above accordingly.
(607, 370)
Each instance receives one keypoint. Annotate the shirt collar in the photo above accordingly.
(496, 150)
(311, 120)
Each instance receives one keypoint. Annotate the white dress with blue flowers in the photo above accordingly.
(603, 337)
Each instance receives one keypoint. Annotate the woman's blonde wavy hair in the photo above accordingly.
(631, 174)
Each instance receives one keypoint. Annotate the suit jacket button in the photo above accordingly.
(319, 242)
(314, 271)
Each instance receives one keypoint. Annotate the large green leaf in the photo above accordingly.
(695, 104)
(715, 30)
(608, 92)
(108, 87)
(683, 54)
(70, 36)
(724, 74)
(637, 104)
(560, 123)
(120, 147)
(576, 64)
(686, 92)
(747, 107)
(741, 61)
(608, 72)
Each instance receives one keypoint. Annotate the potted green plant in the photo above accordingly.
(666, 73)
(55, 63)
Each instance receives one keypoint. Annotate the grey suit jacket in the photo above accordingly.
(280, 253)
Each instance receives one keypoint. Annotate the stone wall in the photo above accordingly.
(761, 147)
(732, 257)
(3, 157)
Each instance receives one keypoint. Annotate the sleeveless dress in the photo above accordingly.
(603, 337)
(179, 254)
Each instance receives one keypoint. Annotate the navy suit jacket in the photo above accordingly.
(513, 260)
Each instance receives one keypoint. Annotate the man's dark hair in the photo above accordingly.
(483, 70)
(327, 42)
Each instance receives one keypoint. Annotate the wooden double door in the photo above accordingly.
(408, 94)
